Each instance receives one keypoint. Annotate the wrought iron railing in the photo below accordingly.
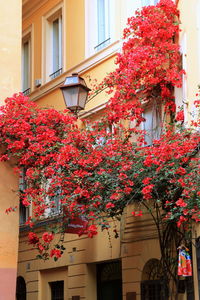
(56, 74)
(102, 45)
(27, 92)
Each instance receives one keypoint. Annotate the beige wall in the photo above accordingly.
(138, 242)
(10, 47)
(10, 65)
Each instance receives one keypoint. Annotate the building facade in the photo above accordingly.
(83, 36)
(10, 63)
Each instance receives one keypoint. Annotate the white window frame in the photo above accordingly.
(181, 94)
(92, 30)
(27, 38)
(156, 120)
(47, 48)
(55, 211)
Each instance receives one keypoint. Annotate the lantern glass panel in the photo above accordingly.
(71, 96)
(71, 80)
(82, 97)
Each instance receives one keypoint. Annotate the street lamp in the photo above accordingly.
(75, 92)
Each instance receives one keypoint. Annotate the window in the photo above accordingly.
(152, 124)
(24, 211)
(53, 44)
(103, 23)
(152, 290)
(26, 64)
(57, 290)
(100, 24)
(56, 47)
(55, 200)
(152, 287)
(148, 2)
(181, 94)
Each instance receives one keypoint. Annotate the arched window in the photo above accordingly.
(152, 286)
(21, 288)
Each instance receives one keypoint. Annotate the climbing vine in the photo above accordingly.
(93, 174)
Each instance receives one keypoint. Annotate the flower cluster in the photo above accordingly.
(95, 174)
(149, 64)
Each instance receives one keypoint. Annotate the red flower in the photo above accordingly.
(180, 116)
(137, 213)
(47, 237)
(110, 205)
(180, 171)
(33, 238)
(146, 180)
(181, 203)
(55, 252)
(146, 191)
(91, 231)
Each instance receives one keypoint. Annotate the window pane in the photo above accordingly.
(145, 2)
(101, 21)
(152, 126)
(103, 24)
(25, 61)
(149, 2)
(23, 210)
(55, 45)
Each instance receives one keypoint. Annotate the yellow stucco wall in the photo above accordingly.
(137, 245)
(10, 65)
(190, 36)
(10, 48)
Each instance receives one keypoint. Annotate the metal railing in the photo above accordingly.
(56, 74)
(102, 45)
(27, 92)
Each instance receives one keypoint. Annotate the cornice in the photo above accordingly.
(30, 6)
(81, 68)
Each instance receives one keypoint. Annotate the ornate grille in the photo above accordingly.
(151, 290)
(56, 73)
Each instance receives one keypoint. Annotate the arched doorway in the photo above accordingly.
(152, 285)
(109, 281)
(21, 288)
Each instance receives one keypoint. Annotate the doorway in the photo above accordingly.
(109, 281)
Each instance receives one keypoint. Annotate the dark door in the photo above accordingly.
(21, 289)
(109, 281)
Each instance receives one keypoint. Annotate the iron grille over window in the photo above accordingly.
(152, 290)
(57, 290)
(102, 44)
(27, 92)
(56, 73)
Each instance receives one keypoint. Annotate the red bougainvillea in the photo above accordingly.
(94, 174)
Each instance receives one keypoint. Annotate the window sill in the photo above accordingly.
(81, 68)
(39, 224)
